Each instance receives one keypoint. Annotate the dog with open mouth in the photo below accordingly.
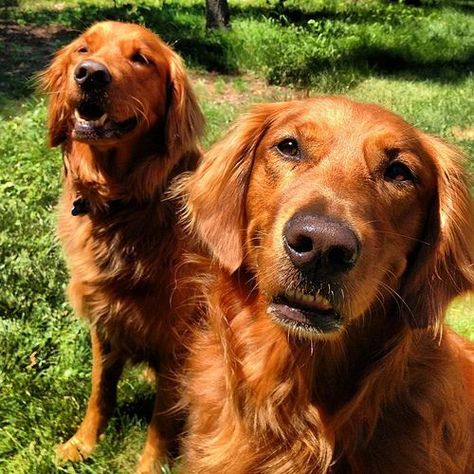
(334, 236)
(123, 110)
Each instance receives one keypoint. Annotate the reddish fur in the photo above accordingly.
(392, 392)
(123, 263)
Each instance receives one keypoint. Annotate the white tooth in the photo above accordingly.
(290, 294)
(94, 123)
(298, 295)
(323, 302)
(309, 298)
(102, 119)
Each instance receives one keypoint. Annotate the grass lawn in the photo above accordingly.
(416, 61)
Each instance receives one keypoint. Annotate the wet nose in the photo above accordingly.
(92, 74)
(320, 246)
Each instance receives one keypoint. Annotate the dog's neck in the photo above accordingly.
(350, 366)
(327, 373)
(99, 178)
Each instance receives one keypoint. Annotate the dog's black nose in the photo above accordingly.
(92, 74)
(319, 245)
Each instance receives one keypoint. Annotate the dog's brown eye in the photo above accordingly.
(398, 171)
(83, 50)
(139, 58)
(289, 147)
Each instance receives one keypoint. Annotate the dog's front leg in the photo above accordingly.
(107, 367)
(164, 426)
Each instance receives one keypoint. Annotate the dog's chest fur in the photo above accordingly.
(123, 266)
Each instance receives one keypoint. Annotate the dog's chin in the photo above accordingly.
(311, 316)
(92, 124)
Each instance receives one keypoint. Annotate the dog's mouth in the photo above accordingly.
(91, 123)
(305, 313)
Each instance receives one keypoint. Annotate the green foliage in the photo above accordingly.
(330, 46)
(416, 61)
(461, 316)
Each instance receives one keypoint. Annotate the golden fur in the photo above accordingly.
(390, 390)
(124, 249)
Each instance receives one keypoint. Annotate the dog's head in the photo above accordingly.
(116, 82)
(336, 207)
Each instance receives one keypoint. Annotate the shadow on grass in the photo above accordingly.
(285, 15)
(140, 408)
(386, 62)
(26, 49)
(352, 12)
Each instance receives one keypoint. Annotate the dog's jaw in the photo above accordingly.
(308, 315)
(92, 123)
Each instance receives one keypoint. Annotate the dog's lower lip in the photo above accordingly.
(313, 316)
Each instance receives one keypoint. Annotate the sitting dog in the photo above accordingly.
(122, 108)
(336, 235)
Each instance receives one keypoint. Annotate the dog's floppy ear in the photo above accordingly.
(443, 269)
(52, 81)
(184, 119)
(214, 195)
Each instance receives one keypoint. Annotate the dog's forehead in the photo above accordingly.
(112, 28)
(339, 113)
(117, 33)
(328, 118)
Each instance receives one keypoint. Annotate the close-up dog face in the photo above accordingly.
(331, 205)
(337, 201)
(114, 83)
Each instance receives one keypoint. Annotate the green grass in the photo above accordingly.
(418, 62)
(461, 316)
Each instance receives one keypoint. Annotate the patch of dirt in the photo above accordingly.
(236, 90)
(24, 51)
(461, 133)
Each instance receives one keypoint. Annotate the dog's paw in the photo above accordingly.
(74, 450)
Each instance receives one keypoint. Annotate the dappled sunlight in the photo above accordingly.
(415, 61)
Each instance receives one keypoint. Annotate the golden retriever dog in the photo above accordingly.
(123, 110)
(336, 235)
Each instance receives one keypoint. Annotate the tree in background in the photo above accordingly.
(217, 14)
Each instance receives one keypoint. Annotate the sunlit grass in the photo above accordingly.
(44, 350)
(461, 316)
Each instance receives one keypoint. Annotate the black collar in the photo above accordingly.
(81, 206)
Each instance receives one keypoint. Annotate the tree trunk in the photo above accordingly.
(217, 14)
